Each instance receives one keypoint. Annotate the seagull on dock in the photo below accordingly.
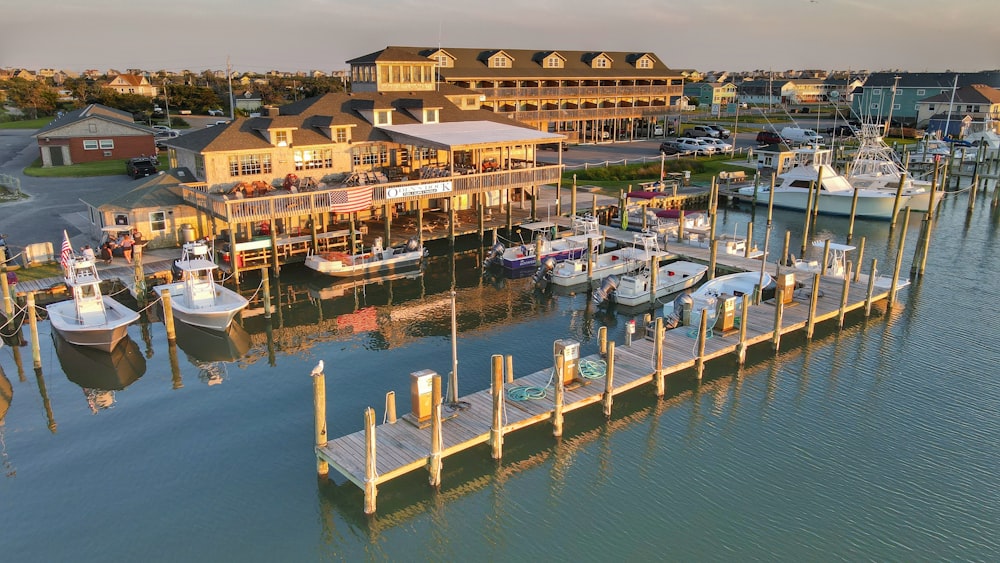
(318, 370)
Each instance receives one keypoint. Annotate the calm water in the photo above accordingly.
(875, 442)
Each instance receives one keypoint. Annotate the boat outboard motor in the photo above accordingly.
(494, 256)
(412, 244)
(607, 288)
(544, 272)
(682, 300)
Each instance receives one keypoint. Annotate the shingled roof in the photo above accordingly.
(974, 94)
(89, 112)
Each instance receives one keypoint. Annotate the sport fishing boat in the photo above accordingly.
(876, 167)
(375, 261)
(197, 299)
(634, 289)
(89, 319)
(616, 262)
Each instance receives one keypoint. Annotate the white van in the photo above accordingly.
(802, 136)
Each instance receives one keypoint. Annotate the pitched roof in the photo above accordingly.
(130, 79)
(974, 94)
(335, 109)
(933, 79)
(92, 111)
(471, 63)
(159, 190)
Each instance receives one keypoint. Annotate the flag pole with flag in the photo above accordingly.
(66, 254)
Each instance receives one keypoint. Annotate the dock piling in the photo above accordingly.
(557, 413)
(843, 295)
(658, 357)
(390, 407)
(319, 410)
(496, 430)
(168, 316)
(779, 308)
(36, 353)
(872, 274)
(434, 463)
(702, 336)
(609, 381)
(861, 257)
(510, 368)
(602, 340)
(266, 279)
(371, 489)
(741, 348)
(813, 296)
(899, 259)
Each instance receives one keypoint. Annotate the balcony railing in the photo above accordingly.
(297, 204)
(580, 91)
(591, 113)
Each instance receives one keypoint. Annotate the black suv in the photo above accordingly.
(140, 166)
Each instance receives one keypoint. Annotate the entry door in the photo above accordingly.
(56, 156)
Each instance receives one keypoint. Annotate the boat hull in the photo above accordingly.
(344, 269)
(103, 336)
(574, 272)
(214, 317)
(875, 207)
(671, 278)
(524, 257)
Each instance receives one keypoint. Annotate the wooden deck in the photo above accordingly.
(403, 447)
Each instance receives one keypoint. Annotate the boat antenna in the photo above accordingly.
(951, 106)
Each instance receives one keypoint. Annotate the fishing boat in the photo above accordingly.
(89, 319)
(616, 262)
(634, 289)
(707, 296)
(836, 194)
(375, 261)
(877, 167)
(836, 262)
(197, 299)
(521, 257)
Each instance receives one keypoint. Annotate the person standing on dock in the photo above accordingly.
(126, 244)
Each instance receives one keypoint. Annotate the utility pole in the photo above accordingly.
(229, 78)
(166, 99)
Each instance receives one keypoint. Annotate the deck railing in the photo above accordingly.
(295, 204)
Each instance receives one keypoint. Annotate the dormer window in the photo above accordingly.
(645, 63)
(500, 62)
(383, 117)
(600, 62)
(431, 115)
(340, 134)
(553, 62)
(281, 138)
(442, 61)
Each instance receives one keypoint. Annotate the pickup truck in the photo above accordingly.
(701, 131)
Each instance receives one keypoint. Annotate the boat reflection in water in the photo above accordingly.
(100, 373)
(210, 350)
(346, 286)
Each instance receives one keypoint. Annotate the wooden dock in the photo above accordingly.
(378, 454)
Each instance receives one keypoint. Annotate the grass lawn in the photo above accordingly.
(613, 179)
(104, 168)
(43, 271)
(27, 123)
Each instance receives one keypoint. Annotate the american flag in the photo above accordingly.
(66, 254)
(350, 200)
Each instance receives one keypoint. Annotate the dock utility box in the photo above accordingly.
(421, 394)
(570, 352)
(786, 281)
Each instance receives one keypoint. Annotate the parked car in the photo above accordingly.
(657, 130)
(719, 144)
(841, 131)
(552, 146)
(670, 148)
(701, 131)
(723, 132)
(165, 129)
(769, 138)
(140, 166)
(697, 146)
(216, 112)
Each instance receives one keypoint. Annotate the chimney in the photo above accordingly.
(272, 111)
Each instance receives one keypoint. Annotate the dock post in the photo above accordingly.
(972, 192)
(593, 207)
(451, 219)
(784, 253)
(234, 261)
(654, 271)
(387, 215)
(927, 243)
(319, 408)
(168, 316)
(779, 308)
(275, 261)
(713, 256)
(266, 279)
(819, 190)
(496, 431)
(871, 287)
(826, 256)
(557, 413)
(813, 296)
(854, 210)
(861, 257)
(481, 221)
(680, 226)
(844, 293)
(899, 258)
(36, 352)
(434, 463)
(702, 336)
(921, 240)
(602, 340)
(770, 200)
(8, 306)
(899, 197)
(420, 223)
(749, 243)
(590, 259)
(609, 381)
(390, 407)
(741, 348)
(538, 251)
(572, 198)
(658, 356)
(371, 489)
(510, 368)
(140, 278)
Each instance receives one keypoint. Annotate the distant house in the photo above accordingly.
(979, 101)
(133, 84)
(901, 93)
(711, 93)
(93, 134)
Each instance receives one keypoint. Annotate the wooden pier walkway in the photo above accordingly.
(378, 454)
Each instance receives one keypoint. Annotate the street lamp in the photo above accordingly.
(166, 100)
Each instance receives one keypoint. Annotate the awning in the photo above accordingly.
(466, 134)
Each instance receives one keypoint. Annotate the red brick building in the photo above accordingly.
(93, 134)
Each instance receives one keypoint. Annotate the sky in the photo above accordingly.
(705, 35)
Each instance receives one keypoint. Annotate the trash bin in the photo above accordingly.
(187, 234)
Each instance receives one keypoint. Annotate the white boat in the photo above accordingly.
(706, 297)
(89, 319)
(836, 194)
(836, 262)
(634, 289)
(621, 261)
(876, 167)
(520, 257)
(377, 260)
(197, 299)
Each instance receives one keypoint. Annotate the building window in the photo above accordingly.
(601, 62)
(199, 165)
(92, 127)
(644, 63)
(158, 221)
(313, 159)
(340, 134)
(500, 62)
(90, 144)
(895, 107)
(430, 116)
(107, 143)
(442, 60)
(874, 106)
(382, 118)
(281, 138)
(552, 62)
(877, 92)
(370, 155)
(920, 92)
(249, 164)
(930, 107)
